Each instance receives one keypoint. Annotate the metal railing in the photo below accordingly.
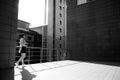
(40, 55)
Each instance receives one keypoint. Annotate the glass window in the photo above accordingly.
(60, 45)
(29, 38)
(60, 15)
(60, 22)
(79, 2)
(90, 0)
(60, 7)
(60, 30)
(60, 37)
(60, 1)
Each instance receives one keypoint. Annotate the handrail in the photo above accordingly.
(40, 55)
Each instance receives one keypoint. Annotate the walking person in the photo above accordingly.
(22, 50)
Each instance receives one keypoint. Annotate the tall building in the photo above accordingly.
(60, 25)
(57, 26)
(89, 28)
(93, 30)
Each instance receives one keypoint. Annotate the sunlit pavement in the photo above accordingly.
(67, 70)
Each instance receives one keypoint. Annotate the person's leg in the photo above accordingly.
(20, 59)
(23, 56)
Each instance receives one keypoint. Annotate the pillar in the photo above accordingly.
(8, 26)
(51, 29)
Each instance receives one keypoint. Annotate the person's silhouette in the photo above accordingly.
(26, 75)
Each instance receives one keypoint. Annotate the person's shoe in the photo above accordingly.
(23, 65)
(16, 64)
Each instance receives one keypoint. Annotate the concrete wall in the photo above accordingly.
(60, 37)
(93, 30)
(51, 25)
(8, 26)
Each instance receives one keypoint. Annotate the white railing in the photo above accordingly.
(40, 55)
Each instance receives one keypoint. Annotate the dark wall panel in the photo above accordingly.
(93, 30)
(8, 25)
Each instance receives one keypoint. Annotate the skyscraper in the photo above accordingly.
(57, 25)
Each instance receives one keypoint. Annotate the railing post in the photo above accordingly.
(41, 55)
(50, 55)
(57, 55)
(69, 53)
(47, 55)
(28, 55)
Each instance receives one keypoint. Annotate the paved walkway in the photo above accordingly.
(67, 70)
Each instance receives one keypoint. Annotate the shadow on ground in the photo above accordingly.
(110, 63)
(26, 75)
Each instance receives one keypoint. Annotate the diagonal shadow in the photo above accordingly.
(26, 75)
(110, 63)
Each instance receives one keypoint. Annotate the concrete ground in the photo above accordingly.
(67, 70)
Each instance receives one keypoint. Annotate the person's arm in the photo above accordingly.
(26, 43)
(20, 48)
(21, 42)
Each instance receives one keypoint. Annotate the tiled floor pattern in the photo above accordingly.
(67, 70)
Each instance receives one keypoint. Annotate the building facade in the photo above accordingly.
(60, 25)
(57, 26)
(33, 38)
(44, 49)
(23, 24)
(42, 30)
(23, 27)
(93, 32)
